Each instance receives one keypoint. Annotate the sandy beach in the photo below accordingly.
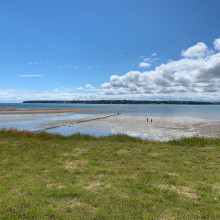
(161, 129)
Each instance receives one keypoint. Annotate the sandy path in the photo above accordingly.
(57, 124)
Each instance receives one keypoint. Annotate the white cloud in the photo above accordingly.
(217, 44)
(56, 90)
(89, 86)
(106, 85)
(14, 95)
(80, 88)
(30, 75)
(33, 63)
(144, 64)
(188, 77)
(150, 60)
(197, 50)
(154, 54)
(195, 78)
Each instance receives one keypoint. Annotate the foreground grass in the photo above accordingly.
(45, 176)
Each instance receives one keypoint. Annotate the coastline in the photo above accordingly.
(160, 129)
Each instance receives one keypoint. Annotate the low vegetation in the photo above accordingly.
(46, 176)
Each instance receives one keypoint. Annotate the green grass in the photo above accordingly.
(44, 176)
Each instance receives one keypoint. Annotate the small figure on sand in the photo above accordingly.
(147, 120)
(151, 120)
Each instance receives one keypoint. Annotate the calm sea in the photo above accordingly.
(211, 112)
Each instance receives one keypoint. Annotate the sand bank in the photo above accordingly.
(49, 111)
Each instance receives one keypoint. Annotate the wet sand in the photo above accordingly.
(76, 121)
(48, 111)
(161, 129)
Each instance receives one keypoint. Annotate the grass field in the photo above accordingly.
(44, 176)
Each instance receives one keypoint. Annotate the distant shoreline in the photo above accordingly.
(122, 102)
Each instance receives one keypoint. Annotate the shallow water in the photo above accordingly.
(73, 129)
(37, 122)
(210, 112)
(34, 122)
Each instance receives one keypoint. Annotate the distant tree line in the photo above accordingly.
(123, 102)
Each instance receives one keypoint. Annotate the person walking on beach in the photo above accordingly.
(151, 120)
(147, 120)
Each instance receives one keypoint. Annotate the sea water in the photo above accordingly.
(37, 122)
(209, 112)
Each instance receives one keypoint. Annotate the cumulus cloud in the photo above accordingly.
(217, 44)
(197, 75)
(89, 86)
(197, 50)
(30, 75)
(144, 64)
(106, 85)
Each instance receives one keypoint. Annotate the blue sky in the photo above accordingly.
(103, 49)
